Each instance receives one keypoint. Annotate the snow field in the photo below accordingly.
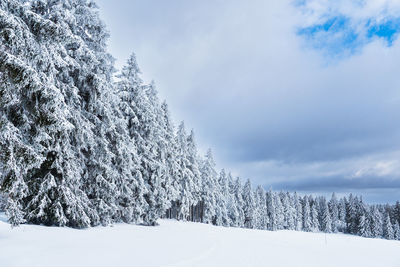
(176, 244)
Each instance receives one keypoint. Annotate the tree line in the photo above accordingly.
(84, 145)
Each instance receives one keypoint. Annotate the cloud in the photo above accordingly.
(342, 28)
(374, 176)
(267, 98)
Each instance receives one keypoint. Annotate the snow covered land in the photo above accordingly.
(187, 244)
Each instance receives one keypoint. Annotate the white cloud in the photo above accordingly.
(237, 72)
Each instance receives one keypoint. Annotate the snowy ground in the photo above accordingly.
(187, 244)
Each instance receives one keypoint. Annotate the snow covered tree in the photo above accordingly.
(237, 192)
(364, 227)
(222, 197)
(232, 205)
(288, 210)
(272, 216)
(299, 212)
(307, 223)
(193, 165)
(396, 231)
(376, 222)
(261, 209)
(184, 177)
(248, 205)
(133, 188)
(342, 215)
(170, 184)
(388, 232)
(396, 212)
(334, 212)
(326, 222)
(208, 178)
(315, 227)
(279, 212)
(37, 117)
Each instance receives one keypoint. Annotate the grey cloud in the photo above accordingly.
(237, 73)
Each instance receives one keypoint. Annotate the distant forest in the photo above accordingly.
(82, 144)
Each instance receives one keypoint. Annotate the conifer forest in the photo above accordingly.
(83, 144)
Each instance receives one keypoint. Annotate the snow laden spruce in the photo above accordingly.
(79, 148)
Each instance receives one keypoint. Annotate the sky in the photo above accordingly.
(298, 95)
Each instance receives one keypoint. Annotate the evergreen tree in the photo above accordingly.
(299, 212)
(364, 228)
(279, 212)
(261, 209)
(326, 222)
(307, 223)
(196, 176)
(237, 192)
(272, 211)
(315, 227)
(248, 205)
(222, 198)
(169, 183)
(388, 232)
(396, 231)
(376, 222)
(334, 212)
(38, 119)
(232, 205)
(342, 215)
(208, 178)
(396, 212)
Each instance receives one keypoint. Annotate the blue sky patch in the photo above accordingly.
(336, 36)
(341, 36)
(387, 30)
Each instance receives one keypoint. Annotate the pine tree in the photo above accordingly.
(248, 205)
(396, 212)
(334, 212)
(222, 198)
(185, 178)
(364, 227)
(193, 165)
(16, 194)
(232, 205)
(326, 222)
(342, 215)
(376, 222)
(315, 227)
(271, 208)
(131, 200)
(299, 212)
(261, 209)
(279, 212)
(396, 231)
(237, 192)
(307, 223)
(388, 232)
(170, 184)
(209, 181)
(38, 119)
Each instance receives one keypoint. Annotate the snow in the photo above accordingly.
(176, 244)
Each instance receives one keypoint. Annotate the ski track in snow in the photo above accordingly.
(207, 254)
(177, 244)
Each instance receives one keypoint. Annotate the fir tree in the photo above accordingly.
(307, 223)
(326, 222)
(388, 232)
(248, 205)
(334, 212)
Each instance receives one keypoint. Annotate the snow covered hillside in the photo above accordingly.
(187, 244)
